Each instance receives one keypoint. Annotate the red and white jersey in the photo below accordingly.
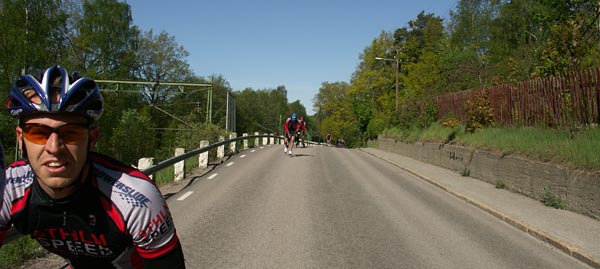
(116, 219)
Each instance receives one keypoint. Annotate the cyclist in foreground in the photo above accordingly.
(88, 208)
(291, 127)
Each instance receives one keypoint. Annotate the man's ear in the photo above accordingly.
(19, 133)
(94, 134)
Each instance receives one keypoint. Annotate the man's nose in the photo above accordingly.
(54, 143)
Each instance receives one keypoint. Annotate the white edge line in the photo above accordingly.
(185, 196)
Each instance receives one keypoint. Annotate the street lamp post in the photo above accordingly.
(397, 60)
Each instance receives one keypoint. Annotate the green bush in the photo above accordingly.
(552, 200)
(375, 127)
(450, 121)
(19, 251)
(479, 112)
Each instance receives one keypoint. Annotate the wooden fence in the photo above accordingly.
(566, 100)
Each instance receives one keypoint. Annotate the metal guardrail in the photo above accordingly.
(168, 162)
(13, 234)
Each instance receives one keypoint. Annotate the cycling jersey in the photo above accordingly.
(302, 127)
(116, 219)
(291, 126)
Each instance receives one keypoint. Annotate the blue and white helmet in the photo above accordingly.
(293, 116)
(56, 93)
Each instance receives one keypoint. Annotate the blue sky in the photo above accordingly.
(264, 44)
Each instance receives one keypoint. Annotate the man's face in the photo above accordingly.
(58, 160)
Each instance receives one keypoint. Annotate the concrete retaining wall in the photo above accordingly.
(580, 190)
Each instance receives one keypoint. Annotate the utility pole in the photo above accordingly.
(397, 71)
(397, 60)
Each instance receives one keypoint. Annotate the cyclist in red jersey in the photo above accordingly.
(301, 132)
(92, 210)
(291, 127)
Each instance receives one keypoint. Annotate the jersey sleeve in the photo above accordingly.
(138, 209)
(154, 231)
(285, 125)
(4, 216)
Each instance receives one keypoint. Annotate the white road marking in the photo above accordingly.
(230, 164)
(185, 196)
(242, 156)
(253, 150)
(213, 176)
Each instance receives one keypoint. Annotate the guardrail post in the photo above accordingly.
(203, 157)
(144, 163)
(272, 138)
(245, 141)
(179, 167)
(221, 149)
(232, 144)
(256, 144)
(265, 141)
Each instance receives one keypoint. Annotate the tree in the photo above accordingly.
(263, 110)
(518, 36)
(470, 29)
(105, 40)
(373, 80)
(574, 35)
(160, 58)
(191, 102)
(133, 137)
(33, 37)
(335, 112)
(296, 107)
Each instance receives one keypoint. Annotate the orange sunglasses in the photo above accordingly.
(70, 133)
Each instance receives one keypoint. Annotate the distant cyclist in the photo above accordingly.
(291, 127)
(88, 208)
(301, 132)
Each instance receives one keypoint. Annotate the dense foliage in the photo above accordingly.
(97, 38)
(484, 43)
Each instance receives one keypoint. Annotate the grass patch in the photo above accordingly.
(437, 133)
(552, 200)
(167, 175)
(500, 184)
(574, 149)
(191, 164)
(164, 176)
(373, 143)
(20, 251)
(466, 172)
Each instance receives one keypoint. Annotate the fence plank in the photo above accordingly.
(562, 100)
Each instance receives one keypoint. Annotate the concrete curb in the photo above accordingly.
(556, 242)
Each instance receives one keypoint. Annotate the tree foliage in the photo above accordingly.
(98, 39)
(133, 136)
(484, 43)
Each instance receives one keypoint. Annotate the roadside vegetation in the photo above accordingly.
(19, 251)
(576, 149)
(479, 44)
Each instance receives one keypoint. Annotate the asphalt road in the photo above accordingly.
(340, 208)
